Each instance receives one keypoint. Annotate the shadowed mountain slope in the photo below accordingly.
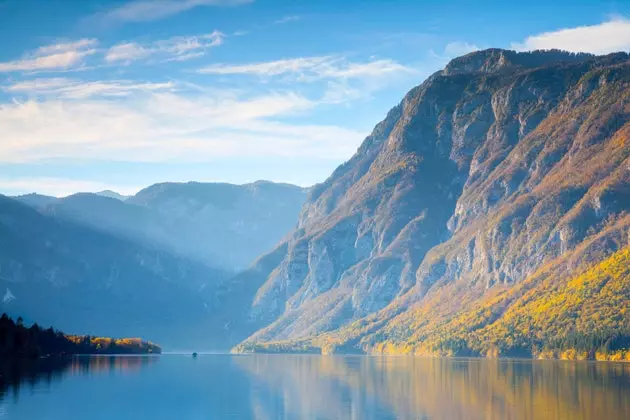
(222, 225)
(77, 278)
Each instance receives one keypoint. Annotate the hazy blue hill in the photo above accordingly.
(66, 274)
(222, 225)
(112, 216)
(152, 265)
(230, 225)
(112, 194)
(36, 200)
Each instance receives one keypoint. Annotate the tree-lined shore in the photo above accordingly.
(18, 340)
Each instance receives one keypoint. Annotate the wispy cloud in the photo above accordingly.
(458, 48)
(452, 50)
(287, 19)
(269, 68)
(52, 57)
(311, 68)
(173, 49)
(603, 38)
(126, 52)
(168, 126)
(342, 80)
(148, 10)
(76, 89)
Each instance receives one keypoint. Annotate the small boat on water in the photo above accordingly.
(194, 354)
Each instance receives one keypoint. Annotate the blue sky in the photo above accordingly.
(122, 94)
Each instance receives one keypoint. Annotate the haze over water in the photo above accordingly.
(313, 387)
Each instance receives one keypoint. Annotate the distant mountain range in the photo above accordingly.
(146, 266)
(223, 225)
(112, 194)
(487, 214)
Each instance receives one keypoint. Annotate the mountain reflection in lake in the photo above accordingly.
(313, 387)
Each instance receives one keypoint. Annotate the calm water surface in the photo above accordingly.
(312, 387)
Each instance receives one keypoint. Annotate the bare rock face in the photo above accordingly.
(489, 169)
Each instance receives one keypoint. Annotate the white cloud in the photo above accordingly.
(75, 89)
(186, 44)
(147, 10)
(603, 38)
(287, 19)
(311, 68)
(458, 48)
(126, 52)
(185, 57)
(344, 80)
(173, 49)
(52, 57)
(269, 68)
(58, 187)
(69, 46)
(452, 50)
(376, 68)
(38, 85)
(157, 127)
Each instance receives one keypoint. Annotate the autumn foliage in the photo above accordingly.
(17, 340)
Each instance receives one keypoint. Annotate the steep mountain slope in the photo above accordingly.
(79, 279)
(110, 216)
(229, 225)
(493, 167)
(221, 225)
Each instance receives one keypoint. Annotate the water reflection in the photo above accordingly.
(424, 388)
(288, 387)
(41, 373)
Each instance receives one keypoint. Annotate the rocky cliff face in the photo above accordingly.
(491, 168)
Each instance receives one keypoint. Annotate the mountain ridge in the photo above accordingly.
(478, 177)
(219, 224)
(89, 263)
(60, 272)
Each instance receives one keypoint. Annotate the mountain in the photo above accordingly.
(58, 272)
(112, 194)
(36, 200)
(469, 213)
(221, 225)
(228, 225)
(152, 265)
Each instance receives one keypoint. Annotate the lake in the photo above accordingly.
(270, 387)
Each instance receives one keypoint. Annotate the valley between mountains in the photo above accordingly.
(486, 215)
